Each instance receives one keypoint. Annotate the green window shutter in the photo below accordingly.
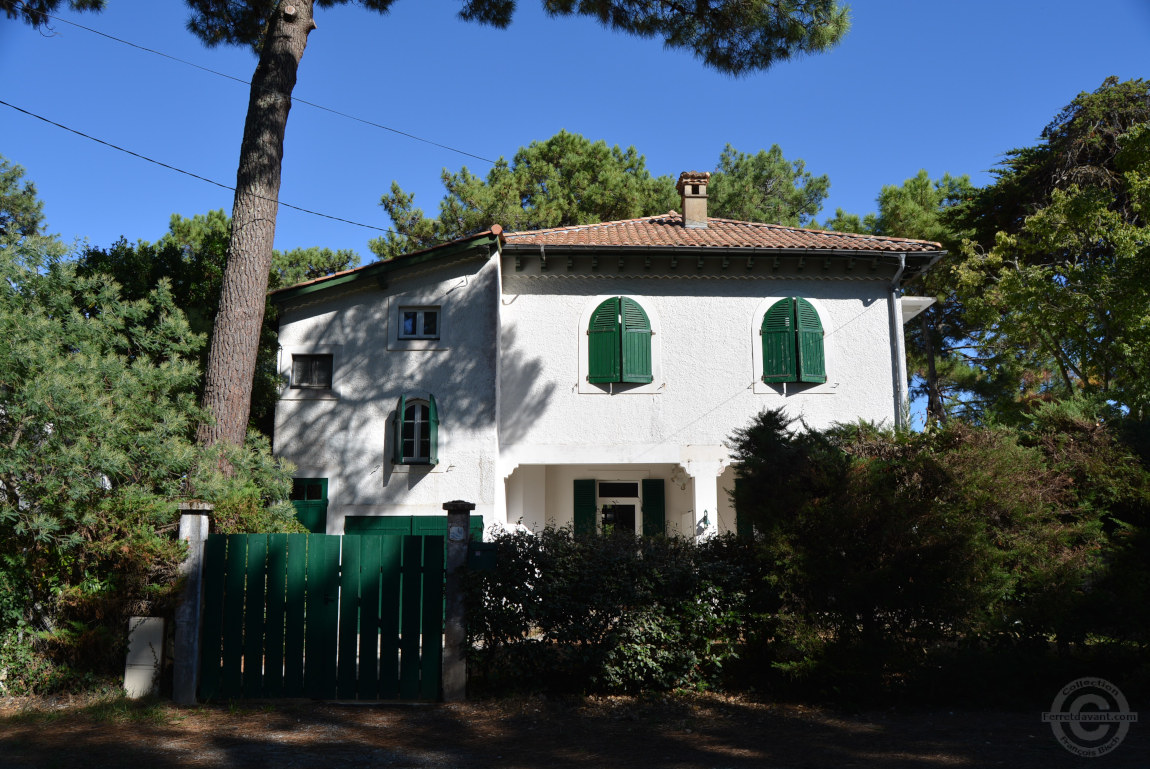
(397, 453)
(654, 507)
(636, 342)
(603, 344)
(778, 332)
(433, 430)
(812, 362)
(584, 508)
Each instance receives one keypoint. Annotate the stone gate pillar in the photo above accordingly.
(189, 612)
(455, 616)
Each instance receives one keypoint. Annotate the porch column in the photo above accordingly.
(705, 472)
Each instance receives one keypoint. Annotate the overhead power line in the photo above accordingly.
(295, 99)
(197, 176)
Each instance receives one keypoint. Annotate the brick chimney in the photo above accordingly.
(693, 187)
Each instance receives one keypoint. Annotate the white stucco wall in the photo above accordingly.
(708, 365)
(346, 435)
(515, 449)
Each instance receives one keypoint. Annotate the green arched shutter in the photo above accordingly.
(584, 508)
(603, 344)
(636, 342)
(397, 449)
(432, 430)
(778, 332)
(812, 361)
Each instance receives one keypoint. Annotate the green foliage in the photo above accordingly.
(938, 346)
(730, 37)
(1056, 276)
(889, 549)
(564, 180)
(569, 180)
(765, 187)
(608, 613)
(34, 11)
(97, 411)
(191, 256)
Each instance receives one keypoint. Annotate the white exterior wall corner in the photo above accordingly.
(347, 436)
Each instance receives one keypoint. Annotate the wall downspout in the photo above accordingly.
(898, 347)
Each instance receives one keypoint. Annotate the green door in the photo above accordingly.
(309, 497)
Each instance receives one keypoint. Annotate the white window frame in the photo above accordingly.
(419, 436)
(421, 314)
(636, 501)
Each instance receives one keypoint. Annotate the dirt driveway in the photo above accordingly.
(680, 732)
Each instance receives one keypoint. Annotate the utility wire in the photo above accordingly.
(294, 99)
(197, 176)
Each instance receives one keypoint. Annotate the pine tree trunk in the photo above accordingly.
(235, 336)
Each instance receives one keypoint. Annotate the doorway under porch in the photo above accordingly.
(649, 499)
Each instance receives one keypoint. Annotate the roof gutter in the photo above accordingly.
(898, 347)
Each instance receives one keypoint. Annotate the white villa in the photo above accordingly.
(582, 375)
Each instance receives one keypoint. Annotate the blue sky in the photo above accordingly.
(916, 84)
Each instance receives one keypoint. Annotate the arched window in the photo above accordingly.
(619, 343)
(793, 343)
(416, 432)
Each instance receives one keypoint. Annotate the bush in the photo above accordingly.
(608, 613)
(892, 551)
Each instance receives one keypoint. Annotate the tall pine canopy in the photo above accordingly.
(732, 36)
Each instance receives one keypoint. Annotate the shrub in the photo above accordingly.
(608, 613)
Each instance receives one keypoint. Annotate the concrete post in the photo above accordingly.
(186, 672)
(455, 641)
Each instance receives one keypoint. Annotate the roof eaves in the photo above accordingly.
(374, 270)
(587, 248)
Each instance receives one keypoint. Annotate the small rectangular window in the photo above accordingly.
(311, 371)
(418, 323)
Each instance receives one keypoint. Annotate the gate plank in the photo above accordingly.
(348, 617)
(411, 596)
(368, 688)
(321, 621)
(391, 562)
(431, 628)
(215, 554)
(294, 615)
(274, 624)
(233, 634)
(255, 605)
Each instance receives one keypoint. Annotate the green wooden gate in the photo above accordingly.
(322, 616)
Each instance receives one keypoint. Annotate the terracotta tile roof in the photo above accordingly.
(668, 230)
